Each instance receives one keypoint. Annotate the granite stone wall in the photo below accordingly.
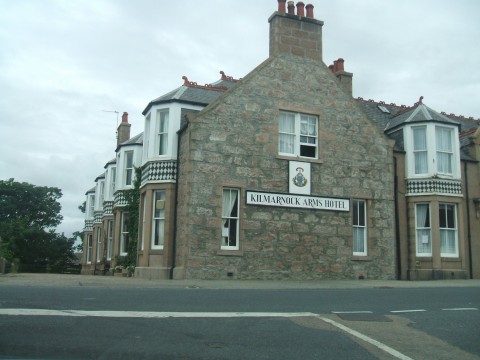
(234, 143)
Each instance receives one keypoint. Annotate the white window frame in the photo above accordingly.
(444, 152)
(99, 244)
(124, 235)
(158, 219)
(102, 193)
(230, 214)
(451, 229)
(423, 233)
(109, 239)
(359, 224)
(162, 127)
(146, 138)
(91, 206)
(304, 136)
(437, 147)
(89, 248)
(113, 180)
(417, 151)
(128, 173)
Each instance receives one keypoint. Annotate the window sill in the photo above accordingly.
(299, 158)
(455, 258)
(360, 258)
(156, 252)
(230, 252)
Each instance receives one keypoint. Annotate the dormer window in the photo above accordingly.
(433, 150)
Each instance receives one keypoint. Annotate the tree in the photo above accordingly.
(132, 198)
(28, 216)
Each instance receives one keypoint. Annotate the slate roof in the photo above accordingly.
(113, 161)
(419, 113)
(101, 176)
(194, 94)
(136, 140)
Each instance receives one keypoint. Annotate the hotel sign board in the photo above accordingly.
(297, 201)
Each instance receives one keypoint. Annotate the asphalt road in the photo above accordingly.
(62, 321)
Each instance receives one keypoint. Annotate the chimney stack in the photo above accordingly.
(345, 78)
(300, 9)
(298, 34)
(123, 131)
(291, 7)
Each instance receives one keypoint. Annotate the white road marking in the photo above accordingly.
(352, 312)
(366, 338)
(407, 311)
(461, 309)
(145, 314)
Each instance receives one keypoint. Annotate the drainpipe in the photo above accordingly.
(397, 225)
(175, 211)
(469, 232)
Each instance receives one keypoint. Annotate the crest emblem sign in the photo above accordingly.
(299, 178)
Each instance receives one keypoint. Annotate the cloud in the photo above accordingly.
(62, 63)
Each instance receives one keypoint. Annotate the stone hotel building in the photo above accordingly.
(284, 175)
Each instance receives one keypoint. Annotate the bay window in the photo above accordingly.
(124, 236)
(423, 230)
(109, 239)
(432, 150)
(99, 244)
(89, 249)
(158, 223)
(448, 230)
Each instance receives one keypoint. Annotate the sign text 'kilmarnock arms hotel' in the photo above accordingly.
(297, 201)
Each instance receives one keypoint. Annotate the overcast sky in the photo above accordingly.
(63, 62)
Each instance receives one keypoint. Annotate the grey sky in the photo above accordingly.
(62, 62)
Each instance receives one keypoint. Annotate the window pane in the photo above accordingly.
(443, 137)
(287, 123)
(419, 138)
(359, 240)
(129, 159)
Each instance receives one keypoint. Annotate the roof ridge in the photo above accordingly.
(189, 83)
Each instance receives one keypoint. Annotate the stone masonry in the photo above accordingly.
(234, 143)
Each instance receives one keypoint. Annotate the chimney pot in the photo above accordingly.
(340, 65)
(309, 8)
(331, 67)
(300, 9)
(291, 7)
(281, 6)
(125, 117)
(335, 66)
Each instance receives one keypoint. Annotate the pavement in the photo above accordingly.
(67, 280)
